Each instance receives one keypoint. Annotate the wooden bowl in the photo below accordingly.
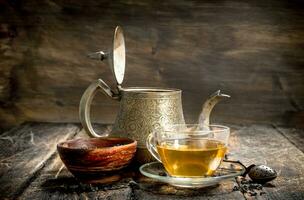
(94, 158)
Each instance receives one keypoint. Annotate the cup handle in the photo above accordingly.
(85, 104)
(151, 147)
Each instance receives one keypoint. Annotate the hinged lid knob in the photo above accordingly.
(116, 56)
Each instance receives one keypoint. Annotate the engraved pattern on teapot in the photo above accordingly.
(140, 116)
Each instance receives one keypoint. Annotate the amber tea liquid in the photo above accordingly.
(191, 157)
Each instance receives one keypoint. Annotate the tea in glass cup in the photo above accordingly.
(189, 150)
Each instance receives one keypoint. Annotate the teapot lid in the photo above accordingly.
(118, 61)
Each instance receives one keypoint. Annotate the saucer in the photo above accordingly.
(225, 171)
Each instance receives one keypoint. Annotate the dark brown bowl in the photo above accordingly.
(93, 158)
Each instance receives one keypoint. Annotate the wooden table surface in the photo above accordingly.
(31, 168)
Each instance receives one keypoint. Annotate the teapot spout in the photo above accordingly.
(208, 106)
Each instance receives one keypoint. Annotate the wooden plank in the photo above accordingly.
(155, 190)
(12, 141)
(264, 145)
(56, 182)
(255, 144)
(27, 136)
(294, 135)
(34, 145)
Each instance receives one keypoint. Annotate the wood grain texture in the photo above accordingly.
(253, 144)
(295, 136)
(265, 145)
(25, 152)
(55, 182)
(251, 50)
(156, 190)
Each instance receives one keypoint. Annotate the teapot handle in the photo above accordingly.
(85, 104)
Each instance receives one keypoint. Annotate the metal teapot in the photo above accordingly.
(142, 109)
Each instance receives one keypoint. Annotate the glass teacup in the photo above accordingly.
(189, 150)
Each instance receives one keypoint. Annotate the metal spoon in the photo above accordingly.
(258, 173)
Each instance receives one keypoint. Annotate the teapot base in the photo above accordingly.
(143, 156)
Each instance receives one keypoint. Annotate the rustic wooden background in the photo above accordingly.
(252, 50)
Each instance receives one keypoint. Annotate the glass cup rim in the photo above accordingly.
(222, 128)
